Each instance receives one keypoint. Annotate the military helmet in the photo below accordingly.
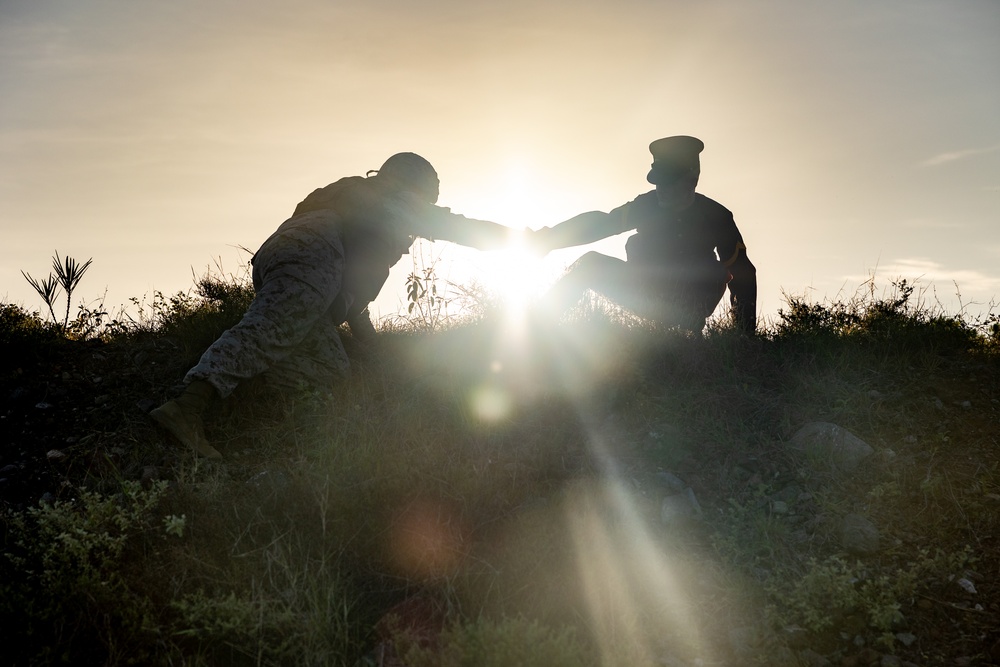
(414, 173)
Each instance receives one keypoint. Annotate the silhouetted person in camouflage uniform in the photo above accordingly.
(320, 269)
(685, 253)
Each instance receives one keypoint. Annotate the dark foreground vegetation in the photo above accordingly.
(594, 493)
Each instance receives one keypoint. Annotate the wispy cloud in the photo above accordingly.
(927, 223)
(939, 279)
(954, 156)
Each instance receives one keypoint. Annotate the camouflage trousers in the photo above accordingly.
(289, 333)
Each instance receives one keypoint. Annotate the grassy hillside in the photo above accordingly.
(592, 492)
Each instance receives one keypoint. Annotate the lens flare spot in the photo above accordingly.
(491, 403)
(426, 539)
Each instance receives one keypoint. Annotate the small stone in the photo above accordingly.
(55, 455)
(906, 638)
(679, 506)
(967, 585)
(859, 535)
(43, 405)
(828, 443)
(670, 482)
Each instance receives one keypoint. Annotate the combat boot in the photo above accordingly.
(182, 417)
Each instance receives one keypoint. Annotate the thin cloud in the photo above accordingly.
(954, 156)
(926, 223)
(926, 272)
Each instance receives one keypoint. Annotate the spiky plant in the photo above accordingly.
(48, 289)
(70, 273)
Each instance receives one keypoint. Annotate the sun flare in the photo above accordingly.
(518, 273)
(515, 274)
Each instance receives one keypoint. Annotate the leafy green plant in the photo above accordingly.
(21, 330)
(833, 588)
(62, 573)
(427, 306)
(897, 318)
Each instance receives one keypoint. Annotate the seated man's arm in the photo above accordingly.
(743, 291)
(584, 228)
(578, 230)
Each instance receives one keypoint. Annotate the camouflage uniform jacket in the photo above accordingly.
(377, 225)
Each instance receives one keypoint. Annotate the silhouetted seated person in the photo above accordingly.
(686, 250)
(320, 269)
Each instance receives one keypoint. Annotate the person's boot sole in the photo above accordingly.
(173, 418)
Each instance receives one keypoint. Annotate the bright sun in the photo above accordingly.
(515, 274)
(518, 274)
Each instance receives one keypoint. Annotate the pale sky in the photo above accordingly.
(847, 137)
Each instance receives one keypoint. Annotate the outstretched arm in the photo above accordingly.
(443, 225)
(439, 223)
(578, 230)
(592, 225)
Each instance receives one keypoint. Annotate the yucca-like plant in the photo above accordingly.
(48, 289)
(68, 274)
